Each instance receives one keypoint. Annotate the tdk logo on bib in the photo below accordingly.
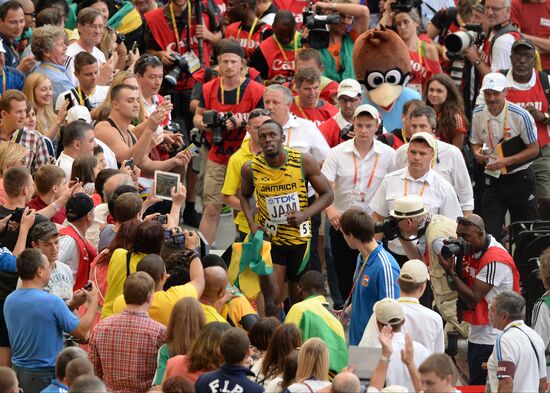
(278, 206)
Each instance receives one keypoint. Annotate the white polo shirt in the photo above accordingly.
(540, 321)
(438, 194)
(450, 164)
(304, 136)
(95, 99)
(356, 179)
(489, 129)
(424, 325)
(397, 371)
(514, 356)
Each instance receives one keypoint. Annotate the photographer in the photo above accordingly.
(421, 234)
(497, 47)
(488, 270)
(349, 98)
(229, 94)
(354, 20)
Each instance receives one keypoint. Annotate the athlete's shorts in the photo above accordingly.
(295, 257)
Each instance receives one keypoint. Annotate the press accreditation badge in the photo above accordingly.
(192, 62)
(279, 206)
(357, 199)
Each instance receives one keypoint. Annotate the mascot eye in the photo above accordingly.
(393, 77)
(375, 79)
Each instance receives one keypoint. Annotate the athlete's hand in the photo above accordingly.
(254, 228)
(295, 218)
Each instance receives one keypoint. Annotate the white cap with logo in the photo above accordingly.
(349, 87)
(495, 81)
(371, 110)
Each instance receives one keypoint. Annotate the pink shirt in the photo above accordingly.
(179, 366)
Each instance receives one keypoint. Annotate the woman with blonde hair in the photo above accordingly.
(38, 90)
(313, 366)
(205, 354)
(186, 322)
(11, 154)
(127, 78)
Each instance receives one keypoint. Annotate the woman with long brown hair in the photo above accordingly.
(186, 322)
(286, 339)
(204, 356)
(443, 96)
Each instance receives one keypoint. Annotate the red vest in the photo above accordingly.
(87, 254)
(250, 97)
(164, 35)
(537, 98)
(422, 68)
(480, 314)
(277, 63)
(241, 35)
(329, 89)
(318, 115)
(252, 73)
(331, 131)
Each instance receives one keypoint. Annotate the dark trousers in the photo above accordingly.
(345, 260)
(34, 381)
(514, 193)
(332, 278)
(314, 261)
(477, 355)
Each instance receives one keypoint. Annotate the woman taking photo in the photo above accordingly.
(443, 96)
(424, 57)
(313, 366)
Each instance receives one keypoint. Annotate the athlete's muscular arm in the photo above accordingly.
(245, 196)
(471, 296)
(320, 184)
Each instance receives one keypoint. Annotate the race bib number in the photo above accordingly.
(305, 229)
(271, 228)
(279, 206)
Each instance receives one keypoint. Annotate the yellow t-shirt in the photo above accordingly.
(212, 314)
(232, 183)
(237, 308)
(116, 276)
(163, 302)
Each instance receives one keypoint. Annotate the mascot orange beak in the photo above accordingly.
(385, 94)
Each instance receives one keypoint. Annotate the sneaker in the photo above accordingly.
(226, 211)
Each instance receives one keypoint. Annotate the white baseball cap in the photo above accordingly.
(349, 87)
(371, 110)
(79, 112)
(426, 137)
(388, 311)
(495, 81)
(414, 271)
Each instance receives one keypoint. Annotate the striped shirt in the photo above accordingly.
(509, 123)
(378, 280)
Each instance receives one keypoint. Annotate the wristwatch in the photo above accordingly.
(477, 62)
(546, 117)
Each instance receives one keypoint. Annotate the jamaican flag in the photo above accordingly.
(314, 319)
(126, 20)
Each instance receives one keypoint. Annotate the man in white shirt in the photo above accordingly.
(509, 179)
(87, 92)
(354, 185)
(424, 325)
(516, 342)
(437, 374)
(90, 25)
(449, 161)
(389, 312)
(78, 141)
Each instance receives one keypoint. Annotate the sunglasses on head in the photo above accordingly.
(464, 221)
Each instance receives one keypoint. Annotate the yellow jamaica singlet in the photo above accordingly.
(279, 190)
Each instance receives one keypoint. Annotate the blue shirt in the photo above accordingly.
(378, 281)
(36, 321)
(8, 262)
(11, 57)
(392, 118)
(58, 76)
(14, 79)
(228, 378)
(56, 387)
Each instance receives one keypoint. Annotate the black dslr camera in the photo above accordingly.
(17, 215)
(388, 227)
(345, 132)
(405, 5)
(216, 122)
(457, 247)
(180, 66)
(317, 24)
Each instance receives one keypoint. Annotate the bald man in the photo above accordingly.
(491, 270)
(346, 382)
(215, 278)
(8, 381)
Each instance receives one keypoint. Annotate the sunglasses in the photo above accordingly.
(257, 113)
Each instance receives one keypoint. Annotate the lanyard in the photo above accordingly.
(288, 136)
(419, 50)
(15, 53)
(371, 174)
(81, 97)
(503, 128)
(356, 280)
(52, 68)
(238, 91)
(406, 187)
(282, 49)
(408, 301)
(403, 135)
(296, 101)
(249, 33)
(176, 32)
